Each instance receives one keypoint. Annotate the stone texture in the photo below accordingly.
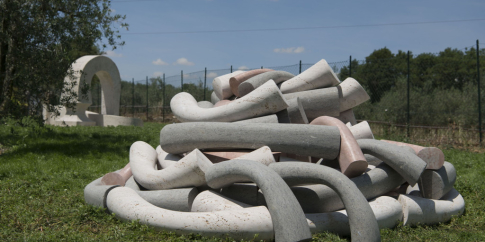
(211, 201)
(351, 159)
(407, 164)
(289, 221)
(117, 178)
(263, 155)
(221, 86)
(352, 94)
(363, 224)
(238, 79)
(165, 159)
(319, 102)
(296, 112)
(205, 104)
(256, 81)
(308, 140)
(317, 76)
(214, 98)
(362, 131)
(433, 156)
(272, 118)
(434, 184)
(95, 193)
(347, 116)
(267, 99)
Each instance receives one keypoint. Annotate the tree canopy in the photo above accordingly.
(39, 40)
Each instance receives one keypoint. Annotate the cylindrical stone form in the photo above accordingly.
(95, 193)
(184, 173)
(256, 81)
(117, 178)
(351, 159)
(404, 162)
(210, 201)
(363, 224)
(239, 224)
(165, 159)
(288, 218)
(214, 98)
(221, 86)
(296, 112)
(263, 155)
(272, 118)
(425, 211)
(205, 104)
(173, 199)
(433, 156)
(353, 94)
(434, 184)
(238, 79)
(317, 76)
(347, 116)
(319, 102)
(267, 99)
(362, 131)
(308, 140)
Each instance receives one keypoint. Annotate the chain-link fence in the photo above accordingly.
(430, 94)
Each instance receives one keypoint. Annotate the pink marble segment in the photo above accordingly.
(236, 80)
(433, 156)
(117, 178)
(351, 159)
(223, 155)
(222, 103)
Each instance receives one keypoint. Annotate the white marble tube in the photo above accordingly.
(222, 87)
(362, 131)
(239, 224)
(184, 173)
(165, 159)
(266, 99)
(418, 210)
(317, 76)
(353, 94)
(210, 201)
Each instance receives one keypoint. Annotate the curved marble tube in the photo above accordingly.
(288, 218)
(434, 184)
(404, 162)
(352, 94)
(317, 76)
(363, 224)
(95, 193)
(267, 99)
(263, 155)
(238, 79)
(117, 178)
(185, 173)
(387, 210)
(433, 156)
(165, 159)
(221, 86)
(418, 210)
(351, 159)
(272, 118)
(222, 103)
(254, 82)
(211, 201)
(214, 98)
(362, 131)
(309, 140)
(318, 102)
(205, 104)
(245, 223)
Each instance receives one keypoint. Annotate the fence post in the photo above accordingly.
(408, 117)
(99, 95)
(350, 66)
(300, 68)
(205, 81)
(261, 67)
(231, 68)
(182, 80)
(147, 97)
(163, 105)
(479, 98)
(133, 98)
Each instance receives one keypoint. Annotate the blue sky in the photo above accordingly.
(154, 54)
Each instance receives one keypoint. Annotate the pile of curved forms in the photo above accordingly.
(278, 157)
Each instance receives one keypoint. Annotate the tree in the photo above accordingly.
(39, 40)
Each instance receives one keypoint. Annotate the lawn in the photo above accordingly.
(43, 171)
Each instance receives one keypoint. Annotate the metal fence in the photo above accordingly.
(435, 92)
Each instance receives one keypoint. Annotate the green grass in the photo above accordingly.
(43, 172)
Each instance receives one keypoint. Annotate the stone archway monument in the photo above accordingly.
(109, 76)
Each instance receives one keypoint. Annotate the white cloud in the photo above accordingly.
(290, 50)
(183, 61)
(157, 74)
(243, 68)
(159, 62)
(111, 53)
(211, 75)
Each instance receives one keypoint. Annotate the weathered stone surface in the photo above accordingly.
(238, 79)
(272, 118)
(407, 164)
(317, 76)
(267, 99)
(205, 104)
(288, 218)
(434, 184)
(352, 94)
(221, 85)
(117, 178)
(95, 193)
(433, 156)
(214, 98)
(347, 116)
(362, 131)
(256, 81)
(363, 224)
(309, 140)
(318, 102)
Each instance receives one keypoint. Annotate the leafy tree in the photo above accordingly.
(39, 40)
